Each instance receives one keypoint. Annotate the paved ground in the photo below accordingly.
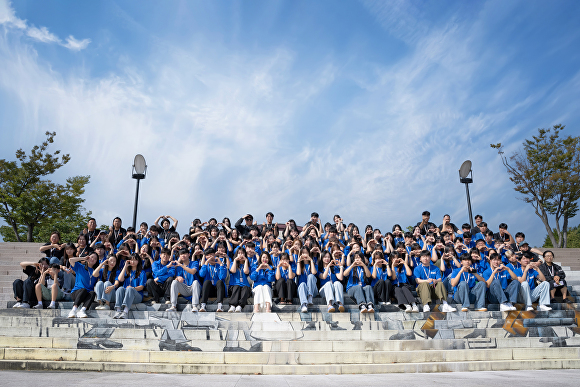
(464, 379)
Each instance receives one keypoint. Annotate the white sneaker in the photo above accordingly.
(370, 308)
(512, 307)
(310, 300)
(38, 306)
(220, 307)
(448, 308)
(202, 309)
(415, 309)
(194, 308)
(72, 313)
(426, 308)
(232, 309)
(363, 308)
(304, 308)
(408, 308)
(123, 316)
(117, 315)
(17, 305)
(544, 308)
(168, 302)
(504, 307)
(173, 308)
(51, 306)
(388, 303)
(25, 306)
(238, 309)
(529, 308)
(82, 314)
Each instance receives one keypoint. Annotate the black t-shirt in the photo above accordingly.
(426, 227)
(92, 235)
(32, 273)
(53, 252)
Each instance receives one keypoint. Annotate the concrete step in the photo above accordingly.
(267, 369)
(288, 358)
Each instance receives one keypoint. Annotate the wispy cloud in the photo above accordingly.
(41, 34)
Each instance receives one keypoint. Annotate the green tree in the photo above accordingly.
(573, 238)
(547, 174)
(31, 205)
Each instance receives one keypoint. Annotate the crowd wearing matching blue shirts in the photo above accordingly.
(282, 262)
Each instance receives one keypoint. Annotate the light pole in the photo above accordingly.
(465, 176)
(139, 172)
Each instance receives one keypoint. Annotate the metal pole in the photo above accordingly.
(135, 210)
(468, 205)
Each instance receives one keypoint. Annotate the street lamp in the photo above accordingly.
(139, 172)
(465, 176)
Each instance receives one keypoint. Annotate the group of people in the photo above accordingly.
(282, 261)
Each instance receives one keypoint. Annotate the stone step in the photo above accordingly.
(255, 369)
(288, 358)
(300, 345)
(267, 369)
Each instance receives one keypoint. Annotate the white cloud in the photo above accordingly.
(41, 34)
(7, 15)
(76, 45)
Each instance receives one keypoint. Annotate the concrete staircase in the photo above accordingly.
(284, 342)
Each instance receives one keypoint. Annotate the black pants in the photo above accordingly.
(82, 297)
(239, 295)
(159, 290)
(383, 290)
(403, 294)
(208, 289)
(286, 289)
(24, 291)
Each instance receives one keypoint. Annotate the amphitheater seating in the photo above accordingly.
(285, 341)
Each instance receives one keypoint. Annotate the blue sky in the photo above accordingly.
(366, 109)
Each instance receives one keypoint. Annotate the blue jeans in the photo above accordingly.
(497, 295)
(466, 296)
(100, 291)
(362, 295)
(540, 293)
(332, 292)
(127, 297)
(307, 288)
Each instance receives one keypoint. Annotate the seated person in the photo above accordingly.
(469, 287)
(430, 284)
(187, 281)
(503, 285)
(214, 272)
(54, 249)
(529, 291)
(49, 286)
(555, 276)
(285, 285)
(24, 290)
(159, 287)
(263, 275)
(357, 286)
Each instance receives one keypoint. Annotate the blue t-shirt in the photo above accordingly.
(84, 277)
(425, 272)
(481, 266)
(303, 278)
(530, 277)
(401, 277)
(331, 275)
(449, 267)
(133, 281)
(381, 275)
(213, 273)
(187, 277)
(239, 278)
(262, 277)
(284, 273)
(502, 276)
(161, 272)
(358, 280)
(465, 277)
